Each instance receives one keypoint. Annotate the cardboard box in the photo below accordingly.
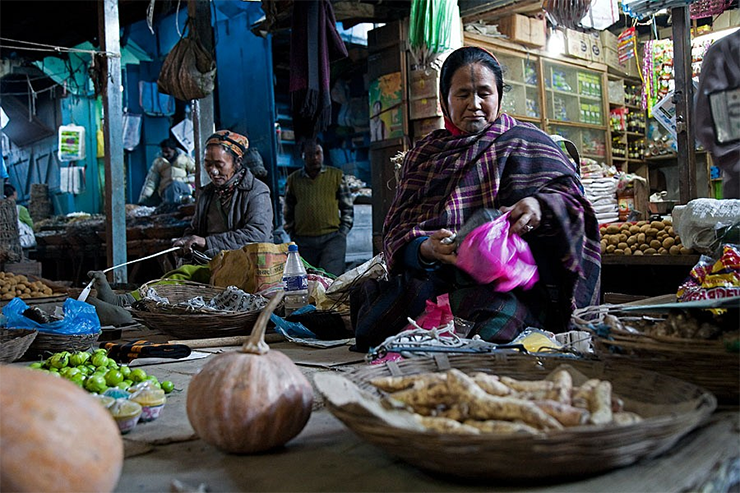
(609, 41)
(576, 45)
(423, 84)
(516, 27)
(537, 31)
(628, 68)
(424, 108)
(595, 47)
(424, 127)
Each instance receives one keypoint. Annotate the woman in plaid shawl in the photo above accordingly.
(484, 159)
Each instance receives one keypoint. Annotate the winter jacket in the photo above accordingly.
(249, 217)
(162, 174)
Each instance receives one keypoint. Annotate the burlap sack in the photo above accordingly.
(189, 71)
(255, 268)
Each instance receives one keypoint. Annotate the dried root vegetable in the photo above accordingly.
(498, 426)
(492, 404)
(394, 384)
(491, 384)
(484, 406)
(447, 425)
(565, 414)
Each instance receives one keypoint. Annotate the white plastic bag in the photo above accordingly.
(696, 222)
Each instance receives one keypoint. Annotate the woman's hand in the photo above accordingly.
(433, 249)
(524, 216)
(188, 242)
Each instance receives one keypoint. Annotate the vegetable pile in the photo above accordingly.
(642, 238)
(12, 285)
(454, 402)
(96, 372)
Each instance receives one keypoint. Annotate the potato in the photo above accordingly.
(686, 251)
(602, 230)
(612, 228)
(622, 245)
(644, 247)
(668, 242)
(634, 229)
(632, 240)
(662, 251)
(651, 251)
(641, 238)
(652, 232)
(640, 224)
(674, 250)
(618, 251)
(662, 235)
(644, 228)
(637, 252)
(669, 230)
(611, 248)
(657, 225)
(613, 239)
(603, 245)
(622, 238)
(655, 244)
(628, 251)
(678, 240)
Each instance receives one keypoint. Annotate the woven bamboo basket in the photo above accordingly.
(14, 343)
(47, 343)
(184, 323)
(670, 408)
(706, 363)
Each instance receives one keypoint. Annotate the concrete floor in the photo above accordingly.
(327, 456)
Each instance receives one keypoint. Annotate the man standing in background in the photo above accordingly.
(318, 211)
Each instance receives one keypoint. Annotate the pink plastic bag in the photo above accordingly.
(489, 253)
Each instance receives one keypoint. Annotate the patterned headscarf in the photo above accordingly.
(238, 144)
(231, 141)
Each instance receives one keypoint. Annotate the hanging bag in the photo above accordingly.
(189, 71)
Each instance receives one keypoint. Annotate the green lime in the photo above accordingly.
(113, 377)
(79, 358)
(37, 365)
(95, 383)
(128, 382)
(138, 375)
(100, 360)
(123, 385)
(78, 379)
(125, 370)
(167, 386)
(60, 360)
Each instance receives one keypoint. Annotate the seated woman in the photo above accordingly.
(235, 208)
(483, 159)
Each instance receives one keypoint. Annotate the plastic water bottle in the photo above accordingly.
(295, 282)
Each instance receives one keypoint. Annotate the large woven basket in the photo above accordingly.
(14, 343)
(671, 409)
(47, 343)
(183, 323)
(706, 363)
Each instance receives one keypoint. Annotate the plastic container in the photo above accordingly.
(152, 402)
(126, 413)
(295, 282)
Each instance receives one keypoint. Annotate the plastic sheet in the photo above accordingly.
(79, 318)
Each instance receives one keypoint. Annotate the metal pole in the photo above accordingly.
(684, 101)
(115, 201)
(203, 114)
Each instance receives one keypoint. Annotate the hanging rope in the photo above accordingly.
(51, 48)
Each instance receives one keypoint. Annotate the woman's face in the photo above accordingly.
(219, 164)
(473, 100)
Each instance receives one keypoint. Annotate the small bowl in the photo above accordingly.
(106, 400)
(126, 413)
(152, 402)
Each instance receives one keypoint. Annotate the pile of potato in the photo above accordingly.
(642, 238)
(12, 285)
(455, 402)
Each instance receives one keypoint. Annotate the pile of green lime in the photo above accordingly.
(96, 372)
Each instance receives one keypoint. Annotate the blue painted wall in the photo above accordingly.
(245, 99)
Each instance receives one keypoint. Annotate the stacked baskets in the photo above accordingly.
(10, 244)
(14, 343)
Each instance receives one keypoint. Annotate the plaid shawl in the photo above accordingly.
(446, 178)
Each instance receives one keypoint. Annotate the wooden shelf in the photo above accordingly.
(611, 259)
(636, 161)
(633, 107)
(635, 134)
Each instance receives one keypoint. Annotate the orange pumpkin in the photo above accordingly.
(250, 400)
(54, 436)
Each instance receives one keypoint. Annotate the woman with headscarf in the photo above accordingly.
(235, 208)
(483, 159)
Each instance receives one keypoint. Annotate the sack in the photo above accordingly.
(255, 268)
(189, 71)
(28, 240)
(79, 318)
(489, 253)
